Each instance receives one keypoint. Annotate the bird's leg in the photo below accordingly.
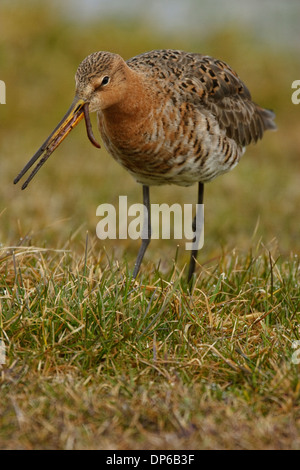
(194, 226)
(146, 231)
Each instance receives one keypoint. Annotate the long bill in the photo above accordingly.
(77, 110)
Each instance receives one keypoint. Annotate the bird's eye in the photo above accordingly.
(105, 80)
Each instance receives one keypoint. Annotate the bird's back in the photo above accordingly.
(210, 84)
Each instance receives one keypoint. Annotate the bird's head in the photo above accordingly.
(101, 80)
(100, 83)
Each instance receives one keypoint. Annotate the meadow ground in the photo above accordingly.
(96, 360)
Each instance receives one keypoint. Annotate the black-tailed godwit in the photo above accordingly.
(167, 116)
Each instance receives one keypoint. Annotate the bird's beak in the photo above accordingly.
(78, 109)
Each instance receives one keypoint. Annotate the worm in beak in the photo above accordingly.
(78, 109)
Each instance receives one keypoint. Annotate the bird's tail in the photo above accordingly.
(267, 117)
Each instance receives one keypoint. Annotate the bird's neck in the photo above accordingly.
(135, 103)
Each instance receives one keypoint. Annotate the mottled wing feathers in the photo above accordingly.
(230, 101)
(210, 84)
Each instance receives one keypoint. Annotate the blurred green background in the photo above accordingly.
(41, 45)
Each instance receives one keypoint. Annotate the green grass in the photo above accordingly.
(96, 360)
